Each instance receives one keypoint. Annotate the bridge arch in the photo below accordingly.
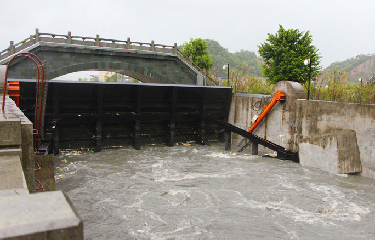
(143, 74)
(63, 54)
(146, 67)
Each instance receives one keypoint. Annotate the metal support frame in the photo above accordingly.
(137, 125)
(39, 93)
(98, 124)
(172, 121)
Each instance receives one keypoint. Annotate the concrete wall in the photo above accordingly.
(297, 118)
(243, 109)
(317, 117)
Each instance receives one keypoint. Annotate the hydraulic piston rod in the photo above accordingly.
(278, 96)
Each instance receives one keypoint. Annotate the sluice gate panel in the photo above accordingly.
(94, 115)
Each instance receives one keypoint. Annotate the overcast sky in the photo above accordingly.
(341, 29)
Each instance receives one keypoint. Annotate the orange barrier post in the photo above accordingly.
(14, 91)
(279, 96)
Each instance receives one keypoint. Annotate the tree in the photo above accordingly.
(112, 78)
(196, 49)
(284, 54)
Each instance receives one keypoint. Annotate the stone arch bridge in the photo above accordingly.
(63, 54)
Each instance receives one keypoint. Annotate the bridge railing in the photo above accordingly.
(98, 42)
(86, 41)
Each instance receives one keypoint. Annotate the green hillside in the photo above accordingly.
(240, 60)
(361, 66)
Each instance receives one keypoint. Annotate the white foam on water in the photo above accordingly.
(181, 177)
(285, 182)
(332, 212)
(227, 155)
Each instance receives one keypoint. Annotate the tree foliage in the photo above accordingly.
(196, 49)
(238, 60)
(284, 54)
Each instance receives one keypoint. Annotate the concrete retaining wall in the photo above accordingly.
(244, 110)
(297, 118)
(317, 117)
(335, 152)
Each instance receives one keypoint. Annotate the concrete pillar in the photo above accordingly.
(36, 35)
(293, 91)
(283, 122)
(11, 48)
(69, 37)
(128, 43)
(153, 45)
(97, 40)
(175, 48)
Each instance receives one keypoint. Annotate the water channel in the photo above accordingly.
(203, 192)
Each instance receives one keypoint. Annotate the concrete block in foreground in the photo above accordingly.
(47, 215)
(336, 152)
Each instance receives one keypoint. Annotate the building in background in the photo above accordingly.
(106, 76)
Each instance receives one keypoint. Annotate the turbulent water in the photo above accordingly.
(202, 192)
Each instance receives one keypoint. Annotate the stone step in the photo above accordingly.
(10, 152)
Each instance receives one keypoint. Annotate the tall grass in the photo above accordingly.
(241, 82)
(343, 92)
(336, 87)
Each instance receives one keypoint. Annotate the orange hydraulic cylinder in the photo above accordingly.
(14, 91)
(279, 95)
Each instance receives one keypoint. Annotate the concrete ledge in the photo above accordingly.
(47, 215)
(11, 152)
(13, 192)
(336, 152)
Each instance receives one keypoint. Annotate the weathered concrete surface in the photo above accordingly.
(17, 138)
(245, 108)
(48, 215)
(318, 117)
(47, 172)
(10, 132)
(282, 121)
(11, 173)
(335, 152)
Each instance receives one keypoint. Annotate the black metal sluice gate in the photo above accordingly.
(94, 115)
